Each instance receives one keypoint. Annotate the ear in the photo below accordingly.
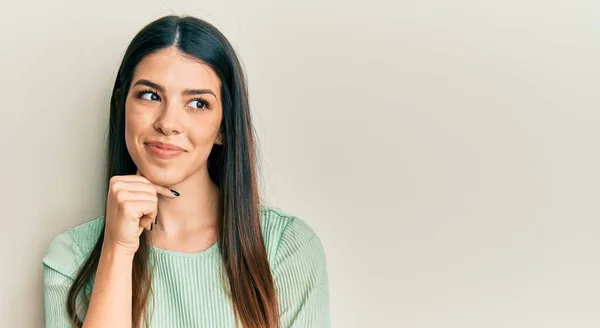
(219, 139)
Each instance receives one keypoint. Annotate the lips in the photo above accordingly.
(163, 145)
(163, 150)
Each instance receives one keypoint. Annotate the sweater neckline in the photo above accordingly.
(212, 249)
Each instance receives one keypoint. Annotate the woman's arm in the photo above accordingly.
(300, 273)
(56, 289)
(131, 207)
(59, 263)
(110, 304)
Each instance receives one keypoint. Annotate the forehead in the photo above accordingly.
(176, 71)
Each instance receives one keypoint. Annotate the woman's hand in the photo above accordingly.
(131, 207)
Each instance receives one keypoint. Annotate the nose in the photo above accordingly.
(169, 120)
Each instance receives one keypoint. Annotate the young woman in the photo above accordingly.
(185, 240)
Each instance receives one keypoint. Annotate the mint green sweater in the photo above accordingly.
(187, 288)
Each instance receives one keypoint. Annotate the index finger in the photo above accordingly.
(165, 191)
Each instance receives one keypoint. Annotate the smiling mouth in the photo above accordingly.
(161, 152)
(163, 145)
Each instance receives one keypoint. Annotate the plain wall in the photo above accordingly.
(445, 152)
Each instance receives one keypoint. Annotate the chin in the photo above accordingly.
(163, 176)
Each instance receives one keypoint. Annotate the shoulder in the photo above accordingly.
(298, 265)
(289, 238)
(69, 249)
(281, 227)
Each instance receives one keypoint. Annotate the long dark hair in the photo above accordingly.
(233, 167)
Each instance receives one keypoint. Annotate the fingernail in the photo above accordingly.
(151, 226)
(174, 192)
(156, 219)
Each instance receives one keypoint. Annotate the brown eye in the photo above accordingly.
(148, 95)
(200, 103)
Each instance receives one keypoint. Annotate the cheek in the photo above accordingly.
(200, 138)
(131, 126)
(135, 123)
(130, 132)
(136, 120)
(205, 131)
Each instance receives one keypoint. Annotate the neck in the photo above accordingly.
(193, 213)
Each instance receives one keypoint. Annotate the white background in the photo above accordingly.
(445, 152)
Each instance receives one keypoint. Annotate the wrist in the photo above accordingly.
(115, 250)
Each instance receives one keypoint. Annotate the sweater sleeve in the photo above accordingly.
(300, 275)
(60, 264)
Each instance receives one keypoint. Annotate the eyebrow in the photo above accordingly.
(186, 92)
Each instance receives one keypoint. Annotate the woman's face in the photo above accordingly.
(172, 99)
